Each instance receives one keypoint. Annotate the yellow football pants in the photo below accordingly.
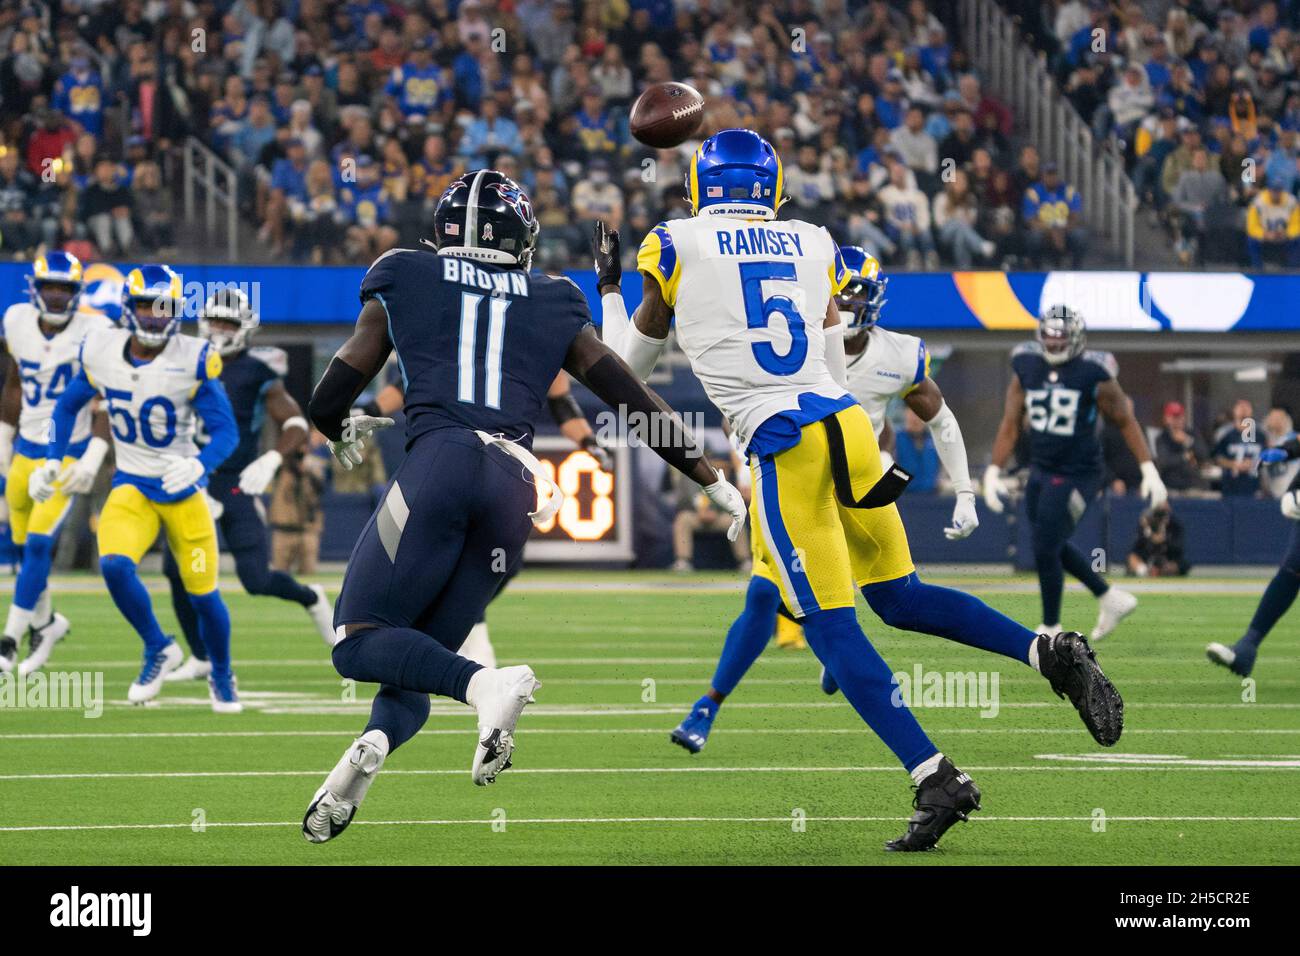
(26, 514)
(816, 550)
(130, 522)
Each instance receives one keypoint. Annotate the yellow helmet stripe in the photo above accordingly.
(695, 180)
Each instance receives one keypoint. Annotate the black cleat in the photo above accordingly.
(941, 799)
(1071, 667)
(8, 654)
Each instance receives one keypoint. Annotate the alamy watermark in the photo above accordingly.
(54, 690)
(978, 690)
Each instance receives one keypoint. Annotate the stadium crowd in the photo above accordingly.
(347, 119)
(1203, 98)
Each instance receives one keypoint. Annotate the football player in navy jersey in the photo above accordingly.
(479, 340)
(1059, 388)
(253, 379)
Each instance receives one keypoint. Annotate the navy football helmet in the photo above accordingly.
(1062, 333)
(485, 215)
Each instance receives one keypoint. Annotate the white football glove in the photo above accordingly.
(726, 498)
(214, 506)
(994, 488)
(355, 432)
(1291, 505)
(41, 485)
(1153, 486)
(257, 476)
(964, 519)
(79, 477)
(181, 474)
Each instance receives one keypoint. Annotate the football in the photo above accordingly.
(667, 114)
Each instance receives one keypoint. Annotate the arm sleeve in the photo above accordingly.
(836, 360)
(213, 406)
(614, 322)
(642, 352)
(951, 447)
(73, 399)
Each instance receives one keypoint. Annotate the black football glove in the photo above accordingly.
(605, 247)
(592, 446)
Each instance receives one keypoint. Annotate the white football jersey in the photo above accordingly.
(750, 299)
(46, 367)
(149, 406)
(889, 367)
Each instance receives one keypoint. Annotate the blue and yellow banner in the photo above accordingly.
(1109, 301)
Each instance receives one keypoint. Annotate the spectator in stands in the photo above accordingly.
(369, 213)
(288, 183)
(597, 197)
(915, 452)
(1126, 104)
(907, 217)
(79, 95)
(1052, 214)
(956, 217)
(1199, 190)
(106, 208)
(19, 229)
(1273, 227)
(809, 185)
(318, 220)
(1237, 452)
(1157, 138)
(489, 135)
(154, 220)
(1180, 454)
(917, 148)
(696, 513)
(50, 141)
(960, 144)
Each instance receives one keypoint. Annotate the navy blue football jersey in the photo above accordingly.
(1061, 406)
(478, 344)
(247, 376)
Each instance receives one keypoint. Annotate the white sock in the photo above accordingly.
(478, 647)
(475, 686)
(377, 739)
(923, 770)
(1033, 654)
(43, 612)
(18, 621)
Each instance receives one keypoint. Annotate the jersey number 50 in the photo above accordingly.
(124, 423)
(759, 312)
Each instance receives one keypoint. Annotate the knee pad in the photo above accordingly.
(39, 547)
(894, 602)
(117, 569)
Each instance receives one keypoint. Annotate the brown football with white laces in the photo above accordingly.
(666, 114)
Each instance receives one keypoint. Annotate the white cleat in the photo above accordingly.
(1050, 631)
(224, 695)
(499, 701)
(322, 615)
(336, 802)
(41, 643)
(192, 669)
(156, 668)
(1115, 606)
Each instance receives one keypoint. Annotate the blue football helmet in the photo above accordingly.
(864, 295)
(55, 286)
(153, 301)
(735, 173)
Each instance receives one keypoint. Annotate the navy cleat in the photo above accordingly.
(1239, 658)
(693, 732)
(829, 685)
(941, 799)
(1071, 667)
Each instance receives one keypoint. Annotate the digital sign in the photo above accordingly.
(595, 521)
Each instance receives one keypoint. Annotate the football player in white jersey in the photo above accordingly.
(42, 339)
(156, 384)
(755, 313)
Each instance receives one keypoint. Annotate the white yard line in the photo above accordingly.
(583, 821)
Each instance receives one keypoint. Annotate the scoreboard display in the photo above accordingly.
(595, 521)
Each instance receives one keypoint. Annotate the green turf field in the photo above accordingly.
(789, 776)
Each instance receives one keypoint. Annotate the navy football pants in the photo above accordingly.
(1055, 503)
(449, 532)
(245, 537)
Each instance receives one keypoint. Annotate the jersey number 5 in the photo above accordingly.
(759, 312)
(496, 339)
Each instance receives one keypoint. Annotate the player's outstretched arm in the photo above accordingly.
(594, 364)
(926, 400)
(350, 371)
(1118, 410)
(1008, 432)
(258, 474)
